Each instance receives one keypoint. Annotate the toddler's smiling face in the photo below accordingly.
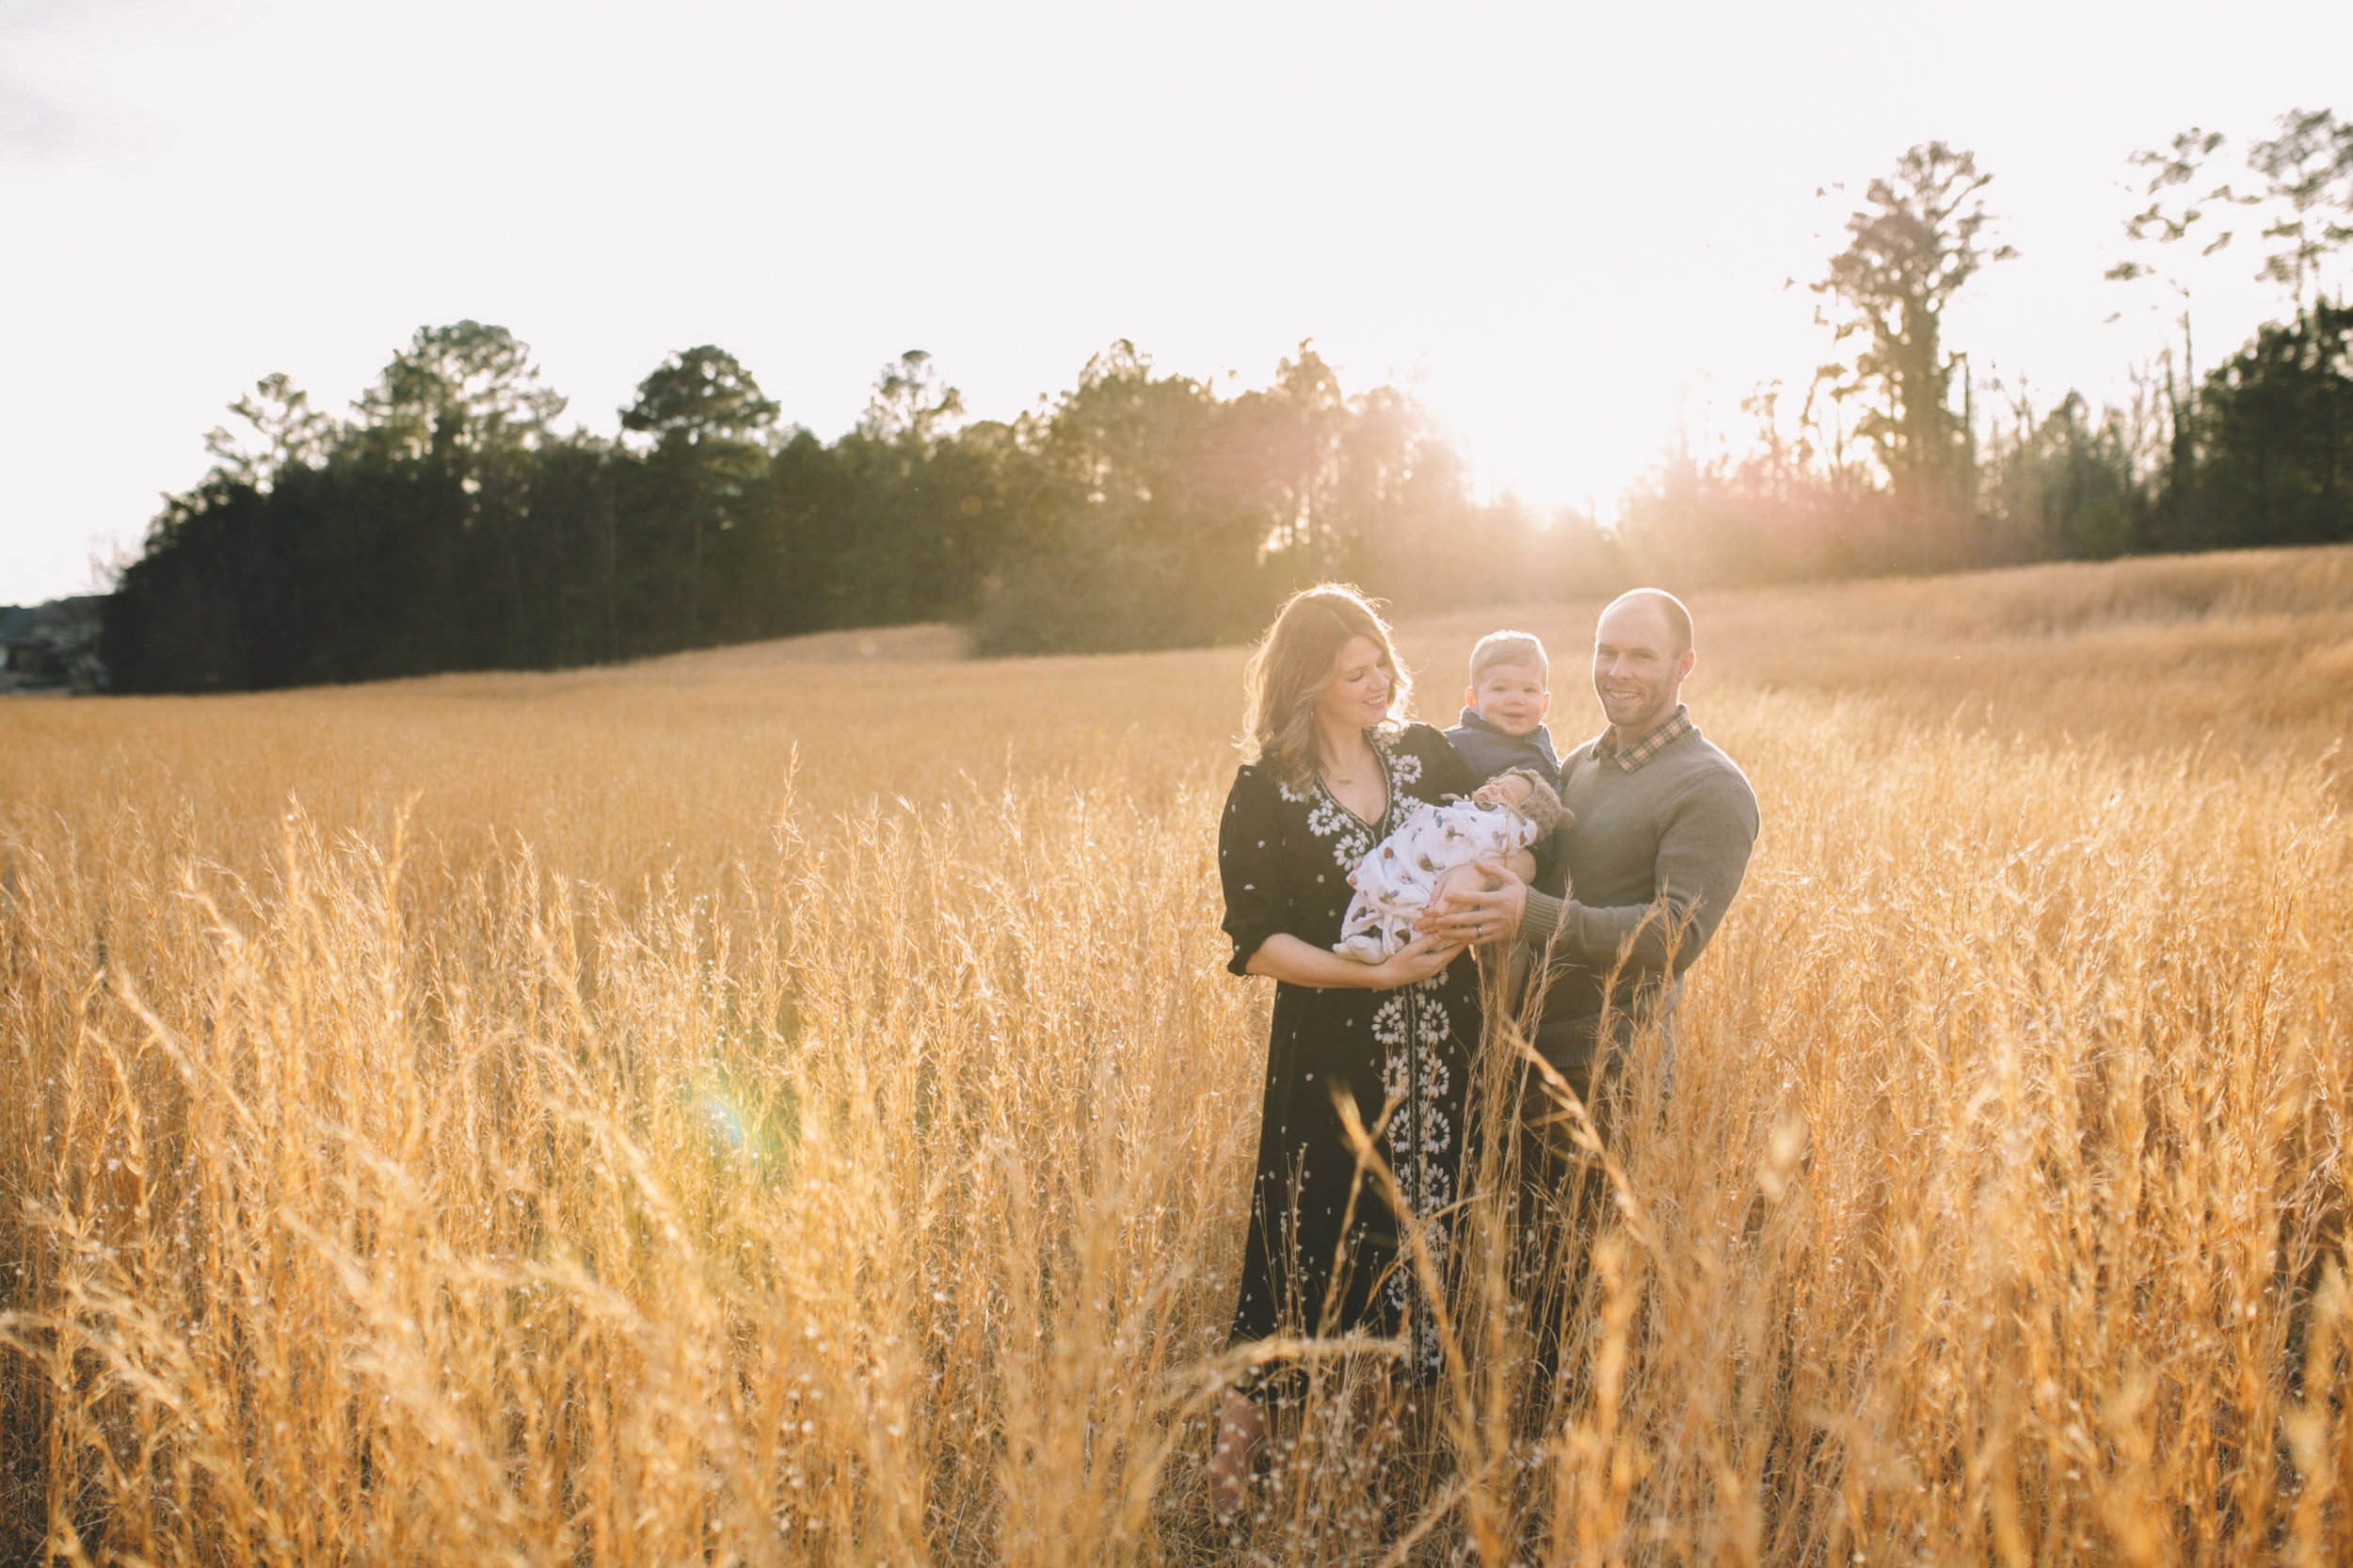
(1511, 696)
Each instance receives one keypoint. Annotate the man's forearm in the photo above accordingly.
(1542, 918)
(1593, 936)
(1702, 857)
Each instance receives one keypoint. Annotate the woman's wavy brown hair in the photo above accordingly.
(1293, 664)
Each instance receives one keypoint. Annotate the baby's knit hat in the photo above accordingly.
(1543, 806)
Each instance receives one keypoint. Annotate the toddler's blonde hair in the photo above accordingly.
(1509, 648)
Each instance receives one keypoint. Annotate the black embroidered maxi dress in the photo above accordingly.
(1284, 853)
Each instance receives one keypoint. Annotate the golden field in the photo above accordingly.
(786, 1105)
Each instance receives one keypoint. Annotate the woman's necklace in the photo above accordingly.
(1332, 771)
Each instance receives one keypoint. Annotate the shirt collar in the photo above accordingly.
(1630, 759)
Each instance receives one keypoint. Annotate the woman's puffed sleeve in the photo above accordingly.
(1444, 770)
(1249, 841)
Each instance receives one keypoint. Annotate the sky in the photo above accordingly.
(1569, 229)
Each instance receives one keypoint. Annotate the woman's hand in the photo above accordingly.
(1417, 960)
(1479, 915)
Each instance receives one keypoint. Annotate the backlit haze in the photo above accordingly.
(1565, 228)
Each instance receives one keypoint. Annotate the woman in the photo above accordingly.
(1331, 769)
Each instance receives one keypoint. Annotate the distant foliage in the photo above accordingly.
(2275, 431)
(1898, 460)
(449, 526)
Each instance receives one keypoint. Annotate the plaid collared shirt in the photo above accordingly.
(1630, 759)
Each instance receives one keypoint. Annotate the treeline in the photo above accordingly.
(2258, 453)
(1898, 459)
(447, 525)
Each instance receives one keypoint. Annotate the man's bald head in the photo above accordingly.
(1670, 608)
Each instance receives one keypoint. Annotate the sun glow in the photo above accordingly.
(1571, 231)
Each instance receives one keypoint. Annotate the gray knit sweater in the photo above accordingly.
(1649, 869)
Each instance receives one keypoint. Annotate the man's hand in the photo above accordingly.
(1464, 878)
(1477, 916)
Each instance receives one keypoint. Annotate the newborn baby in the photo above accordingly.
(1409, 871)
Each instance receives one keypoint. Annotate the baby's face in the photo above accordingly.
(1511, 788)
(1511, 696)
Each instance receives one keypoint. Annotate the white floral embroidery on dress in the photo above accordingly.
(1404, 769)
(1413, 1023)
(1350, 842)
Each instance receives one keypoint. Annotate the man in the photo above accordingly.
(1664, 825)
(1665, 822)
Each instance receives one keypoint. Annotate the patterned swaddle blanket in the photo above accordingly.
(1394, 881)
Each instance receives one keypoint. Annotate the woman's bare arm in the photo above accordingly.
(1284, 957)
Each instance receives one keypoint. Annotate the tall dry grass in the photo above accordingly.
(736, 1110)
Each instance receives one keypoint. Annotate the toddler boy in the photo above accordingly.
(1502, 725)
